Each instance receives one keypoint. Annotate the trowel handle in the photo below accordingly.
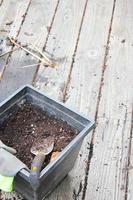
(36, 166)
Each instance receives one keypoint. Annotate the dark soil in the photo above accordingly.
(29, 124)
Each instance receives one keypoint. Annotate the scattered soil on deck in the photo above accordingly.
(30, 124)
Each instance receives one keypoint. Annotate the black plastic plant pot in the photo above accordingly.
(56, 170)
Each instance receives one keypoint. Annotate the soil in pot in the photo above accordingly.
(30, 123)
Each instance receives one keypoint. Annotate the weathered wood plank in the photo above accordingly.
(61, 45)
(12, 17)
(85, 81)
(107, 177)
(34, 30)
(5, 15)
(7, 9)
(129, 47)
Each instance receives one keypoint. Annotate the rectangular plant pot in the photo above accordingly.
(54, 172)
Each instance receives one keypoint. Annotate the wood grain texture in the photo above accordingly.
(7, 11)
(107, 177)
(129, 194)
(34, 30)
(12, 15)
(129, 50)
(84, 86)
(61, 45)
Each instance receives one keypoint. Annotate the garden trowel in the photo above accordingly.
(40, 149)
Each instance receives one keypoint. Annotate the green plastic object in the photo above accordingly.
(6, 183)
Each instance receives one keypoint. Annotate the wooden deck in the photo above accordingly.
(92, 41)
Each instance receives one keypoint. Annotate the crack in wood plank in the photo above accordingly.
(77, 193)
(119, 167)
